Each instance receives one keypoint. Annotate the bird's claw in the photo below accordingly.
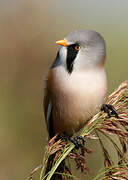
(110, 110)
(78, 141)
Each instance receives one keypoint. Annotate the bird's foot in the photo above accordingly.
(78, 141)
(110, 110)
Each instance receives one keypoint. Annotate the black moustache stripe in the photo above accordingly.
(71, 55)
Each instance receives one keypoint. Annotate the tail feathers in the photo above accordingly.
(60, 169)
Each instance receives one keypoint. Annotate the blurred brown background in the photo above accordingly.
(28, 31)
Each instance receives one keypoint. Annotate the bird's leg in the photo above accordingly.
(110, 110)
(78, 141)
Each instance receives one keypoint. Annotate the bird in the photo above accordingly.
(76, 83)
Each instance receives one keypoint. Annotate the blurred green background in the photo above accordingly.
(28, 31)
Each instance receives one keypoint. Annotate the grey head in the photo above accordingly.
(84, 49)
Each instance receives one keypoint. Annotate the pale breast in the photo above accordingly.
(77, 98)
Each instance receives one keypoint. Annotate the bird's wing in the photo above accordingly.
(48, 106)
(47, 103)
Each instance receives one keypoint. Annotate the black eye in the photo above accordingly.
(77, 47)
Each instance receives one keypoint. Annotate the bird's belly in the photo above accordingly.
(78, 98)
(74, 109)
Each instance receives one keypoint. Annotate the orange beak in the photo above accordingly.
(62, 42)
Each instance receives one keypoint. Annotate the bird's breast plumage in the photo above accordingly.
(76, 97)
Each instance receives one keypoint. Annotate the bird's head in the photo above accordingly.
(81, 50)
